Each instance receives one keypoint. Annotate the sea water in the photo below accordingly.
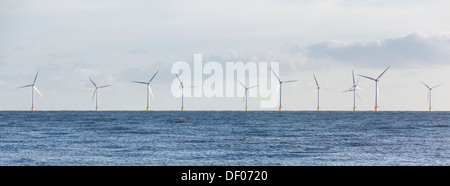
(224, 138)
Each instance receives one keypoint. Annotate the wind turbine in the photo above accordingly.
(281, 82)
(353, 89)
(429, 93)
(376, 86)
(149, 90)
(32, 90)
(246, 94)
(182, 92)
(96, 93)
(318, 93)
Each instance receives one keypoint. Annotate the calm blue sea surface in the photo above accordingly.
(224, 138)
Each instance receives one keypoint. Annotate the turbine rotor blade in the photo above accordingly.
(425, 84)
(383, 72)
(290, 81)
(179, 79)
(358, 96)
(35, 77)
(242, 85)
(93, 95)
(349, 90)
(104, 86)
(25, 86)
(38, 91)
(150, 90)
(367, 77)
(278, 89)
(153, 76)
(92, 81)
(179, 92)
(140, 82)
(353, 75)
(316, 81)
(437, 86)
(275, 74)
(253, 86)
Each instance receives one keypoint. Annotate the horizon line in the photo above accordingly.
(176, 110)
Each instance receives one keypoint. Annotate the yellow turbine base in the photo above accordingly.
(429, 109)
(318, 108)
(246, 108)
(376, 108)
(182, 108)
(148, 107)
(281, 108)
(32, 108)
(354, 108)
(96, 108)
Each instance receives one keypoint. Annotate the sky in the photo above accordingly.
(115, 42)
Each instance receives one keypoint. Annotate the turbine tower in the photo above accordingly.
(376, 86)
(281, 82)
(33, 88)
(429, 94)
(96, 93)
(353, 89)
(318, 93)
(246, 94)
(149, 90)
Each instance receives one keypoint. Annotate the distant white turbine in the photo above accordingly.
(281, 82)
(96, 93)
(182, 92)
(149, 90)
(318, 93)
(32, 90)
(429, 94)
(376, 86)
(353, 89)
(246, 94)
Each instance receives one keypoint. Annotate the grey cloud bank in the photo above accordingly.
(414, 49)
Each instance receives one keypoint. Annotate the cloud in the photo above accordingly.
(412, 50)
(416, 50)
(137, 51)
